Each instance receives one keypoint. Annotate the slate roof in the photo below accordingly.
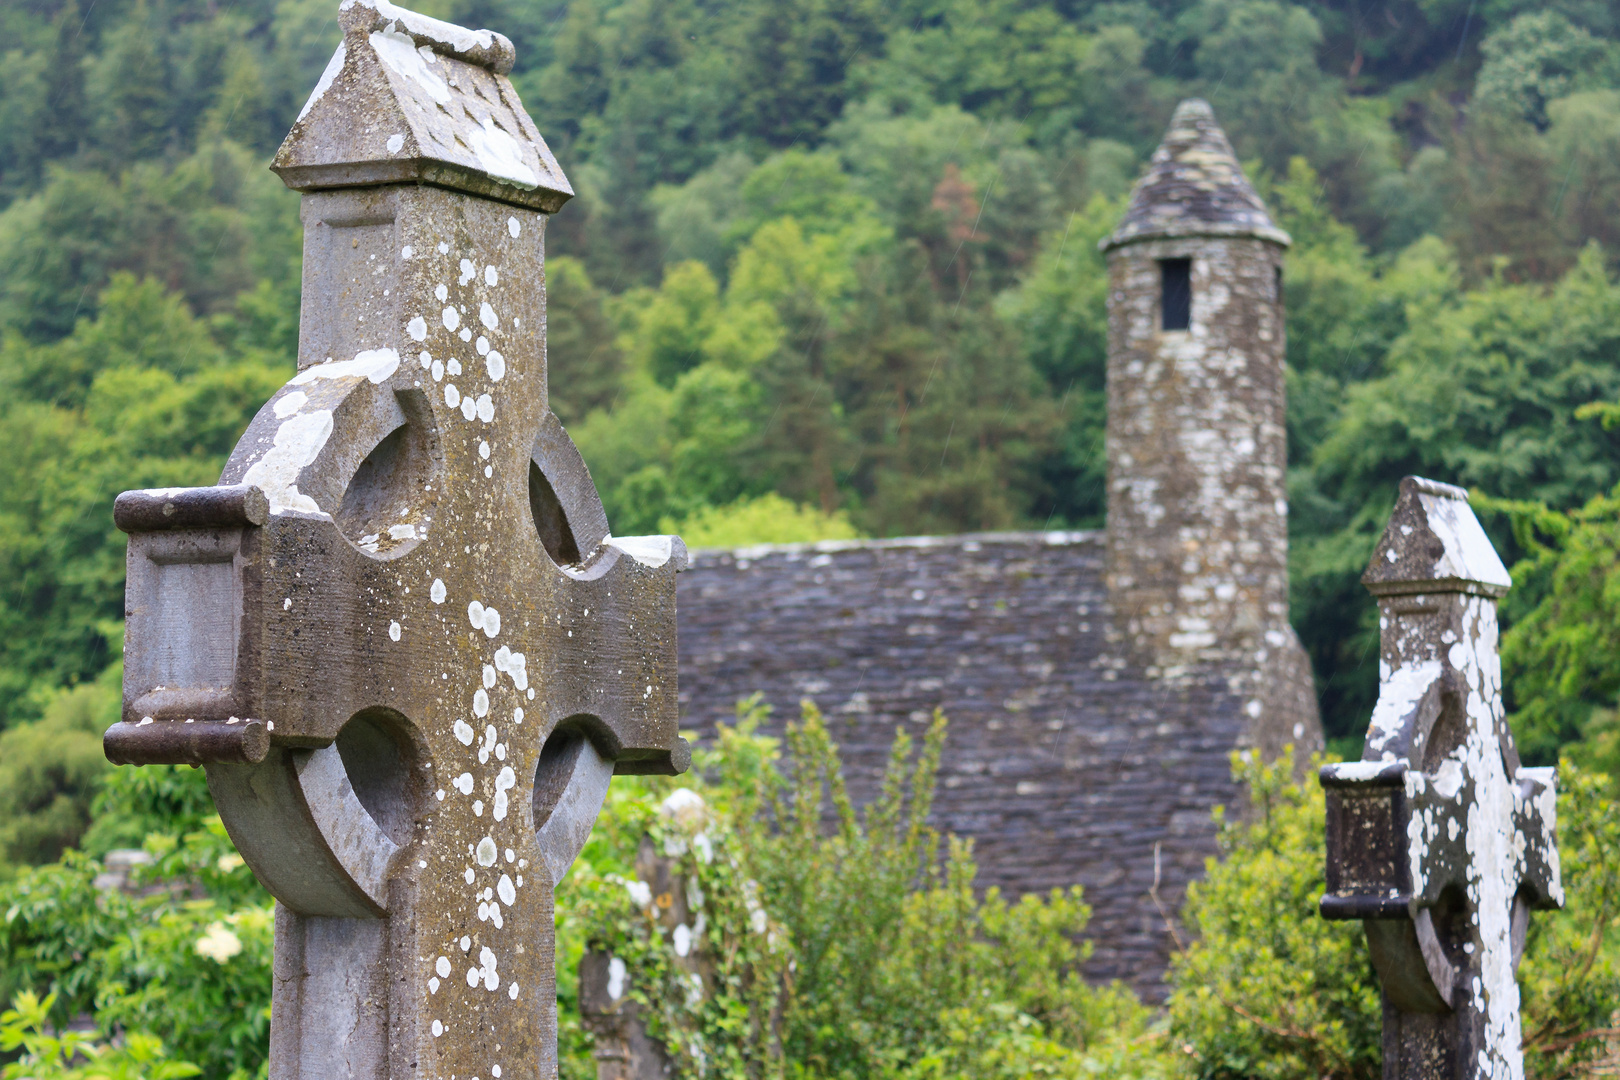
(1064, 762)
(410, 99)
(1194, 186)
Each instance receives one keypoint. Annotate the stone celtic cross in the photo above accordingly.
(1438, 839)
(399, 634)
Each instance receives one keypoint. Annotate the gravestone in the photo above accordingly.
(1438, 839)
(398, 634)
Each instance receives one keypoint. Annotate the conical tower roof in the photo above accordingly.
(1194, 187)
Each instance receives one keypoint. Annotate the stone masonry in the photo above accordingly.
(1096, 682)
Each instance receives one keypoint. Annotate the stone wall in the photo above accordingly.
(1197, 458)
(1066, 763)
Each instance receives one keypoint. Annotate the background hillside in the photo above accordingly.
(840, 252)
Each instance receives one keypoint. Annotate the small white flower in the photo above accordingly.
(218, 943)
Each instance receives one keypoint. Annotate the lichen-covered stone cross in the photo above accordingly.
(399, 634)
(1438, 838)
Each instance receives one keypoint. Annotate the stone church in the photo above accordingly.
(1096, 682)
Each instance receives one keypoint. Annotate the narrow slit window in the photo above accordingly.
(1277, 293)
(1175, 293)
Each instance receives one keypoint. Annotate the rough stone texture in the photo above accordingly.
(398, 634)
(1197, 455)
(1096, 682)
(1197, 444)
(1438, 838)
(1065, 761)
(407, 98)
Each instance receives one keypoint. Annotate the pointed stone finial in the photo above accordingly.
(1194, 186)
(1434, 544)
(410, 99)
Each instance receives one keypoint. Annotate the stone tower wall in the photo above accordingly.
(1197, 457)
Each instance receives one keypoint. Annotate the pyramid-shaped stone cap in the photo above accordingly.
(1434, 543)
(409, 99)
(1194, 187)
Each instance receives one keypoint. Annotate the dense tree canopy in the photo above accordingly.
(835, 252)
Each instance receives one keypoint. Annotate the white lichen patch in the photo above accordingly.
(515, 665)
(486, 969)
(375, 365)
(297, 443)
(500, 155)
(401, 54)
(495, 364)
(505, 781)
(1468, 552)
(646, 550)
(1398, 699)
(334, 67)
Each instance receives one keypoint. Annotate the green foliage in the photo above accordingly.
(837, 252)
(859, 951)
(1479, 388)
(1536, 59)
(49, 771)
(1570, 977)
(1267, 988)
(767, 519)
(72, 1056)
(143, 395)
(182, 951)
(832, 271)
(1559, 654)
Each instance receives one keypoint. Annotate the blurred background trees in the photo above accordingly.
(840, 255)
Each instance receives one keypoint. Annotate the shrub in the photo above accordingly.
(855, 938)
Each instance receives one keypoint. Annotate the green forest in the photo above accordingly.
(832, 270)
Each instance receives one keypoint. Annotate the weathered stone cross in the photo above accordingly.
(399, 635)
(1438, 838)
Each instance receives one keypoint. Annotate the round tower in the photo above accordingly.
(1197, 451)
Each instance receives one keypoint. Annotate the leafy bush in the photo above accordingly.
(863, 950)
(71, 1055)
(765, 519)
(1267, 988)
(183, 953)
(834, 943)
